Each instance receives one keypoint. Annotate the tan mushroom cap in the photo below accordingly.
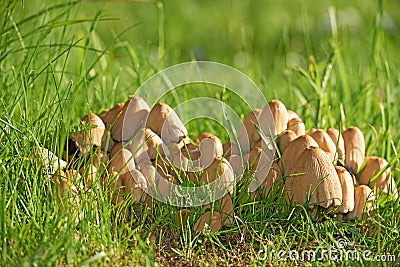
(363, 198)
(134, 184)
(219, 169)
(294, 149)
(247, 134)
(64, 185)
(285, 138)
(292, 115)
(210, 147)
(324, 142)
(279, 115)
(337, 139)
(238, 163)
(110, 116)
(213, 219)
(121, 159)
(354, 145)
(347, 184)
(165, 122)
(373, 165)
(49, 160)
(92, 136)
(274, 174)
(314, 175)
(297, 126)
(132, 118)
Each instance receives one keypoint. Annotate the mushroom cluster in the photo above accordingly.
(132, 148)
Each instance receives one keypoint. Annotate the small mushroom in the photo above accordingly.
(294, 149)
(354, 145)
(64, 186)
(363, 198)
(373, 166)
(121, 159)
(210, 147)
(213, 219)
(49, 160)
(313, 175)
(347, 184)
(165, 122)
(91, 134)
(110, 116)
(134, 184)
(273, 176)
(247, 134)
(297, 126)
(337, 139)
(324, 142)
(292, 115)
(224, 206)
(132, 118)
(284, 139)
(219, 169)
(279, 116)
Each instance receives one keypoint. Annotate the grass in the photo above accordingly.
(335, 64)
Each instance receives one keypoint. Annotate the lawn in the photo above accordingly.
(335, 63)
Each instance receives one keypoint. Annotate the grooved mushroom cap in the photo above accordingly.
(49, 159)
(247, 133)
(314, 175)
(219, 169)
(110, 116)
(165, 122)
(91, 136)
(373, 165)
(297, 126)
(210, 147)
(337, 139)
(284, 139)
(132, 118)
(134, 184)
(294, 149)
(121, 160)
(324, 142)
(213, 219)
(363, 198)
(347, 184)
(354, 146)
(279, 115)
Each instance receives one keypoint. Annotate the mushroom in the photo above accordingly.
(337, 139)
(273, 176)
(91, 135)
(354, 145)
(279, 116)
(48, 159)
(297, 126)
(110, 116)
(363, 198)
(107, 144)
(134, 184)
(294, 149)
(64, 186)
(224, 206)
(247, 134)
(121, 159)
(182, 216)
(324, 142)
(284, 139)
(347, 184)
(219, 169)
(313, 176)
(213, 219)
(132, 118)
(165, 122)
(292, 115)
(373, 166)
(210, 147)
(187, 161)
